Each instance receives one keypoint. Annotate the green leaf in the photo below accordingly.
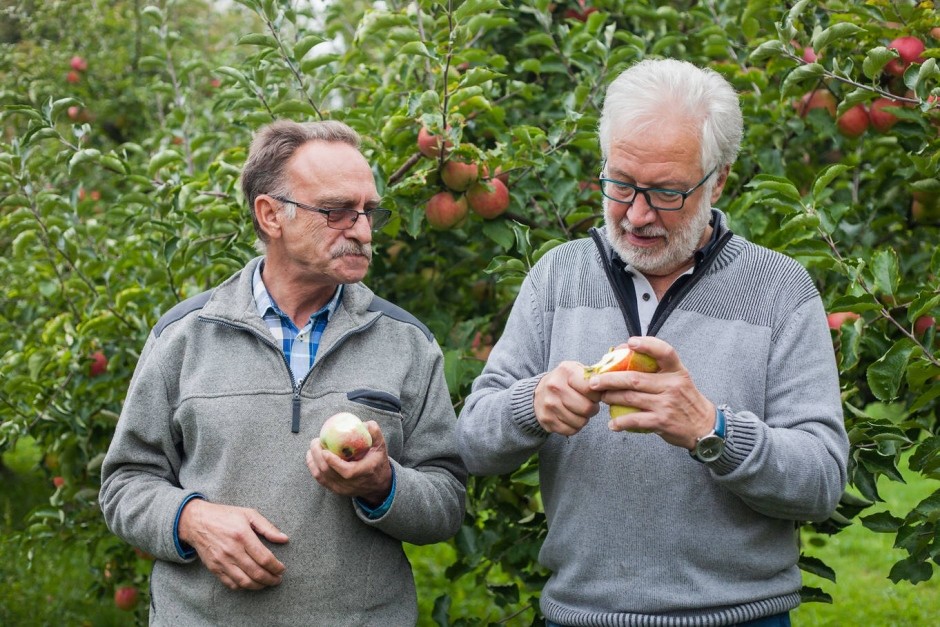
(876, 59)
(294, 106)
(803, 73)
(885, 375)
(910, 569)
(814, 595)
(771, 48)
(413, 48)
(84, 156)
(884, 269)
(302, 47)
(827, 176)
(834, 33)
(478, 76)
(162, 159)
(469, 8)
(258, 39)
(817, 567)
(882, 522)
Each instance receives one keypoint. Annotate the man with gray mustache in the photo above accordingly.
(216, 468)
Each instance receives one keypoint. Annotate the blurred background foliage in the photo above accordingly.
(125, 124)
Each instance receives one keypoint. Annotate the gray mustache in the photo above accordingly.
(352, 248)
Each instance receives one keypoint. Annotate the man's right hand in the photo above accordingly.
(563, 401)
(226, 539)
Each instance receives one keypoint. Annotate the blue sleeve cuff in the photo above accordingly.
(186, 551)
(379, 511)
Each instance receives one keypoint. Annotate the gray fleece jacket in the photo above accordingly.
(639, 532)
(213, 409)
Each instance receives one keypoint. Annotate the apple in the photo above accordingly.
(489, 199)
(58, 482)
(882, 120)
(923, 323)
(444, 210)
(458, 175)
(78, 64)
(99, 363)
(74, 112)
(809, 55)
(854, 122)
(215, 83)
(619, 360)
(816, 99)
(73, 76)
(580, 15)
(345, 435)
(836, 320)
(935, 32)
(125, 598)
(909, 51)
(481, 346)
(430, 145)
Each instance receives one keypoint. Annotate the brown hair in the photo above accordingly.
(272, 147)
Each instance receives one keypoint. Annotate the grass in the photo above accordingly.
(863, 594)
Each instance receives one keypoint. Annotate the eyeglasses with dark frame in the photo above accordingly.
(659, 199)
(342, 219)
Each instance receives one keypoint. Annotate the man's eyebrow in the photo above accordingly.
(668, 184)
(338, 200)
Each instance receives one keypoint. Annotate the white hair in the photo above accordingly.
(658, 91)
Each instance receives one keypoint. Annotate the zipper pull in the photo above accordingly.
(295, 418)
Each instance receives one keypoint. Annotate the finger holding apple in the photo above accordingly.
(366, 475)
(563, 401)
(667, 401)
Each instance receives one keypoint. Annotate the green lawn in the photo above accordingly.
(863, 594)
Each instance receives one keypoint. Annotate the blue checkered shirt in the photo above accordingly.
(299, 345)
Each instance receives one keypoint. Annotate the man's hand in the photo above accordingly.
(563, 401)
(670, 405)
(226, 539)
(370, 478)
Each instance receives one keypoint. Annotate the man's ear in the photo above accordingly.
(268, 215)
(722, 175)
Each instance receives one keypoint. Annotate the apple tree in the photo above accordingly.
(120, 199)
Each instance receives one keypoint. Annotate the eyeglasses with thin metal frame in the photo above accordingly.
(659, 199)
(342, 219)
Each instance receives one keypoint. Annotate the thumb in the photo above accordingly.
(378, 439)
(264, 528)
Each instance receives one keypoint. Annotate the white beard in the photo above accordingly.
(679, 245)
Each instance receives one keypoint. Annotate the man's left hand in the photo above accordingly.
(369, 478)
(669, 404)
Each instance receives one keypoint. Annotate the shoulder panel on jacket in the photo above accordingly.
(397, 313)
(180, 310)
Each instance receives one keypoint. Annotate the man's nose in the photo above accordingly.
(361, 230)
(639, 212)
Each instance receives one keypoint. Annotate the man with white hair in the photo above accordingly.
(215, 467)
(685, 511)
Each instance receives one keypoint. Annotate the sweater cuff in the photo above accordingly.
(184, 550)
(378, 512)
(740, 438)
(522, 403)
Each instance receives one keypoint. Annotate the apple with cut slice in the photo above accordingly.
(619, 360)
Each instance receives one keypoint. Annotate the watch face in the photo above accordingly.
(709, 448)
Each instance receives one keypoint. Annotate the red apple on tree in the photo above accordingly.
(816, 99)
(444, 210)
(74, 112)
(345, 435)
(836, 320)
(809, 55)
(923, 323)
(882, 120)
(854, 122)
(73, 76)
(58, 481)
(458, 175)
(125, 598)
(99, 363)
(78, 64)
(909, 50)
(488, 199)
(430, 145)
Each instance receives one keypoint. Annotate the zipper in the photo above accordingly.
(672, 300)
(618, 292)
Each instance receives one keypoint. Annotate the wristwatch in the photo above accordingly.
(708, 448)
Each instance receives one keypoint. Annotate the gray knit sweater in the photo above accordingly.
(640, 533)
(212, 409)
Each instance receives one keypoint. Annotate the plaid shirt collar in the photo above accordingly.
(267, 306)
